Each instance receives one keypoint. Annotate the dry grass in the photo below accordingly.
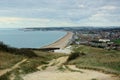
(98, 59)
(48, 55)
(7, 60)
(43, 58)
(27, 67)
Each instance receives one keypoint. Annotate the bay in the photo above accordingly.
(29, 39)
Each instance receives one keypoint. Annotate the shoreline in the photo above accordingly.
(62, 42)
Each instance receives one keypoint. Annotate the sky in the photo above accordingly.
(59, 13)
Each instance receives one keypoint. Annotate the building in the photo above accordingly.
(104, 40)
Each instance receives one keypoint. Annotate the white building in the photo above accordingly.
(104, 40)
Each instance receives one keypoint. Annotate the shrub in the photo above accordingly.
(5, 76)
(74, 55)
(16, 51)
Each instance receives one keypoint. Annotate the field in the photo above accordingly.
(96, 59)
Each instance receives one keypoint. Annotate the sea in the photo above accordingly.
(29, 39)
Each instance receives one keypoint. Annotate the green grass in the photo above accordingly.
(98, 59)
(117, 41)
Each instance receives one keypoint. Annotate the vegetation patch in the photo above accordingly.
(94, 79)
(117, 41)
(44, 67)
(7, 60)
(72, 70)
(48, 55)
(40, 58)
(97, 59)
(5, 76)
(16, 51)
(75, 55)
(62, 68)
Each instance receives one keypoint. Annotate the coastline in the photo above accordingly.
(62, 42)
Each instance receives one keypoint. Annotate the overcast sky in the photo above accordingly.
(46, 13)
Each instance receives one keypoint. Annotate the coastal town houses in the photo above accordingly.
(103, 43)
(104, 40)
(98, 44)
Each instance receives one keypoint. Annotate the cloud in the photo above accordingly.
(59, 12)
(16, 19)
(22, 22)
(99, 17)
(109, 7)
(32, 22)
(81, 6)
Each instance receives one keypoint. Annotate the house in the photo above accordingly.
(98, 44)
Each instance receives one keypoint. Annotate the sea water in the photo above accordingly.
(29, 39)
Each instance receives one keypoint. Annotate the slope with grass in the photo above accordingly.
(8, 60)
(56, 70)
(52, 66)
(96, 58)
(3, 72)
(15, 62)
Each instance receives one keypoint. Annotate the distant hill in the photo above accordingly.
(71, 28)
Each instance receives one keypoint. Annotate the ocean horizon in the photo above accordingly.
(19, 38)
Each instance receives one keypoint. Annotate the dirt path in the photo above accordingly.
(56, 70)
(2, 72)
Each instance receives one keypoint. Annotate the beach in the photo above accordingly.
(61, 43)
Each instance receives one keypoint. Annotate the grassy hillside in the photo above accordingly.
(16, 51)
(96, 58)
(11, 56)
(7, 60)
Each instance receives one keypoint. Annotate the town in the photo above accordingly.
(102, 37)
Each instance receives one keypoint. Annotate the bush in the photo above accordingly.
(3, 46)
(25, 52)
(5, 76)
(16, 51)
(74, 55)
